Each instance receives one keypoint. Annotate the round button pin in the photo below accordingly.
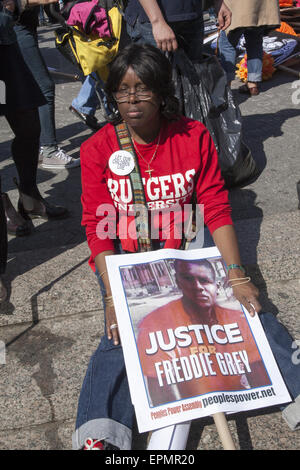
(121, 162)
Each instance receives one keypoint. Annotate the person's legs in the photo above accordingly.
(87, 101)
(105, 410)
(227, 53)
(25, 125)
(28, 44)
(283, 348)
(190, 37)
(3, 248)
(254, 48)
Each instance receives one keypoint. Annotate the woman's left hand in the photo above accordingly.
(247, 294)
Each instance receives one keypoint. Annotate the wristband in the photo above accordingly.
(236, 266)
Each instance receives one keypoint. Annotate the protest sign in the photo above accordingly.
(190, 349)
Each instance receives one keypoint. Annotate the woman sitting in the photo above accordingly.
(176, 157)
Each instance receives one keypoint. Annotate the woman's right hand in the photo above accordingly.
(111, 324)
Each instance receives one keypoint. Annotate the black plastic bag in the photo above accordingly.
(205, 96)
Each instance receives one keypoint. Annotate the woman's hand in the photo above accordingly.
(111, 324)
(247, 294)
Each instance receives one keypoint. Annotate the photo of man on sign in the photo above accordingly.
(193, 345)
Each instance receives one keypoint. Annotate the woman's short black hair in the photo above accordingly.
(153, 68)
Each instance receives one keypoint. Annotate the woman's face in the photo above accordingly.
(142, 107)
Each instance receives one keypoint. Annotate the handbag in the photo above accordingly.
(205, 96)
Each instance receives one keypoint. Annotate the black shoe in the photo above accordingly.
(90, 121)
(40, 209)
(16, 225)
(37, 208)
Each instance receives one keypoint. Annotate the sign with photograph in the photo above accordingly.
(190, 348)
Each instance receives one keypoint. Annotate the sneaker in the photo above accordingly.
(58, 160)
(97, 444)
(93, 444)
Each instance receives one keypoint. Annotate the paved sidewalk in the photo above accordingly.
(54, 318)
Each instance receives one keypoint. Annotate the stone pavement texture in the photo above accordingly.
(54, 318)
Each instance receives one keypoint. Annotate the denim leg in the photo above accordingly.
(28, 43)
(227, 54)
(283, 348)
(87, 101)
(282, 344)
(254, 48)
(141, 33)
(105, 410)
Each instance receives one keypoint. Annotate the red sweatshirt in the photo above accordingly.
(186, 161)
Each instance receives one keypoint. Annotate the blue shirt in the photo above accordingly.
(173, 11)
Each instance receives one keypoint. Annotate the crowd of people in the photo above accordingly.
(140, 90)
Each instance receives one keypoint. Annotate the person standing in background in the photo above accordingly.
(172, 24)
(251, 18)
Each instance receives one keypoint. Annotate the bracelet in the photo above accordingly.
(101, 274)
(242, 280)
(109, 300)
(236, 266)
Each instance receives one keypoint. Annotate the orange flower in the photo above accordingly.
(267, 70)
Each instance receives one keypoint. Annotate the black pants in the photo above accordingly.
(23, 96)
(3, 237)
(28, 44)
(25, 125)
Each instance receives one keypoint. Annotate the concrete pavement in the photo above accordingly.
(54, 318)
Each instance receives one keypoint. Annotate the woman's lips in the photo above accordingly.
(134, 114)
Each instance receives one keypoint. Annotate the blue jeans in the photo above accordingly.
(254, 49)
(28, 43)
(87, 100)
(189, 35)
(105, 410)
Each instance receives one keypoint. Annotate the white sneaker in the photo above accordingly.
(59, 160)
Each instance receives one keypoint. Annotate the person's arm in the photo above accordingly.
(110, 314)
(96, 205)
(226, 241)
(217, 216)
(162, 33)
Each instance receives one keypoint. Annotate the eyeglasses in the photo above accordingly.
(122, 96)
